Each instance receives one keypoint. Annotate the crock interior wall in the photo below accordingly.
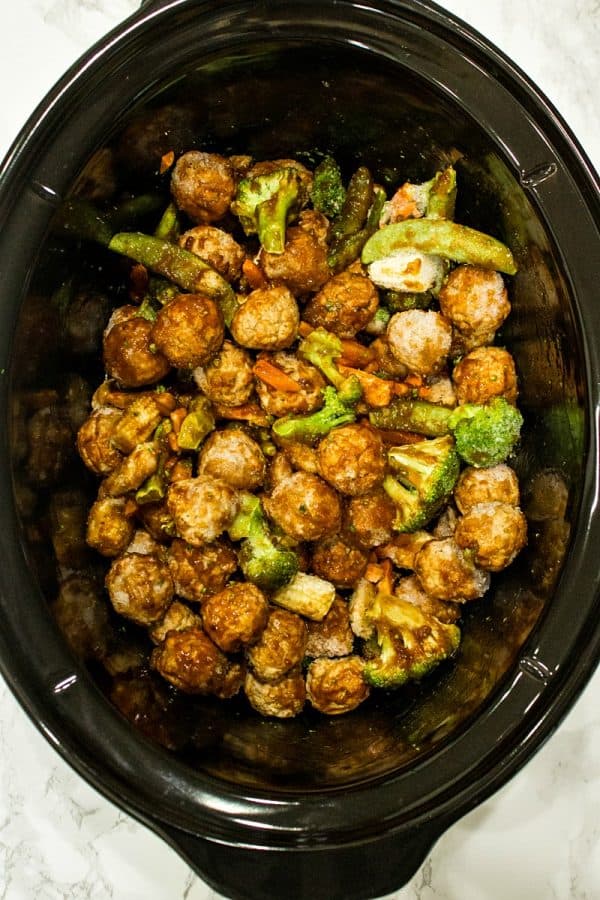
(275, 103)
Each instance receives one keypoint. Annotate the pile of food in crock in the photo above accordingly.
(303, 433)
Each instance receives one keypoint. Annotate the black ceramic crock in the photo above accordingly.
(349, 807)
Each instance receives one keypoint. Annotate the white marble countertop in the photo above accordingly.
(539, 837)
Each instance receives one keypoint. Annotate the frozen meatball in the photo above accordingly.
(280, 647)
(446, 573)
(485, 373)
(130, 355)
(370, 517)
(486, 485)
(308, 397)
(191, 662)
(82, 616)
(131, 473)
(420, 339)
(188, 330)
(203, 185)
(267, 320)
(304, 506)
(228, 377)
(337, 561)
(236, 616)
(344, 305)
(410, 590)
(283, 699)
(140, 587)
(198, 572)
(94, 441)
(235, 458)
(332, 636)
(216, 247)
(301, 456)
(202, 508)
(495, 531)
(109, 528)
(178, 617)
(474, 299)
(351, 459)
(336, 686)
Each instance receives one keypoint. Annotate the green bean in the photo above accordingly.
(442, 195)
(346, 249)
(356, 206)
(168, 228)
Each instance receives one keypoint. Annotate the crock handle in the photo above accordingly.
(358, 872)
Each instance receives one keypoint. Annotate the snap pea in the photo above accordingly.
(356, 206)
(168, 227)
(347, 248)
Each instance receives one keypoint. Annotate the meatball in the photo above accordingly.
(386, 361)
(192, 663)
(130, 356)
(198, 572)
(236, 616)
(446, 573)
(215, 247)
(370, 518)
(178, 617)
(228, 377)
(281, 646)
(94, 441)
(203, 185)
(279, 403)
(109, 528)
(403, 548)
(420, 339)
(301, 456)
(84, 322)
(336, 561)
(267, 320)
(302, 267)
(484, 373)
(283, 699)
(156, 520)
(486, 485)
(82, 616)
(140, 587)
(336, 686)
(131, 473)
(332, 636)
(144, 544)
(235, 458)
(304, 506)
(345, 305)
(475, 300)
(189, 330)
(351, 459)
(202, 508)
(496, 531)
(410, 590)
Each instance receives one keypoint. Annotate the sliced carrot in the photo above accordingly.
(165, 402)
(374, 573)
(275, 377)
(173, 442)
(304, 329)
(414, 380)
(377, 391)
(166, 161)
(247, 412)
(356, 354)
(177, 417)
(254, 275)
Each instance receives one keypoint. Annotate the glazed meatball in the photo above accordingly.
(198, 572)
(144, 544)
(215, 247)
(130, 356)
(280, 647)
(203, 185)
(157, 521)
(191, 662)
(304, 506)
(486, 485)
(140, 587)
(420, 339)
(386, 361)
(485, 373)
(301, 456)
(370, 518)
(475, 300)
(109, 528)
(82, 616)
(302, 267)
(235, 458)
(410, 590)
(351, 459)
(332, 636)
(446, 573)
(131, 473)
(189, 330)
(283, 699)
(236, 616)
(202, 508)
(228, 377)
(94, 441)
(336, 686)
(496, 531)
(178, 617)
(267, 320)
(266, 166)
(345, 305)
(336, 561)
(307, 399)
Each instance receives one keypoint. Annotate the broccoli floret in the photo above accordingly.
(338, 409)
(262, 562)
(425, 475)
(264, 203)
(408, 642)
(327, 192)
(322, 348)
(485, 435)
